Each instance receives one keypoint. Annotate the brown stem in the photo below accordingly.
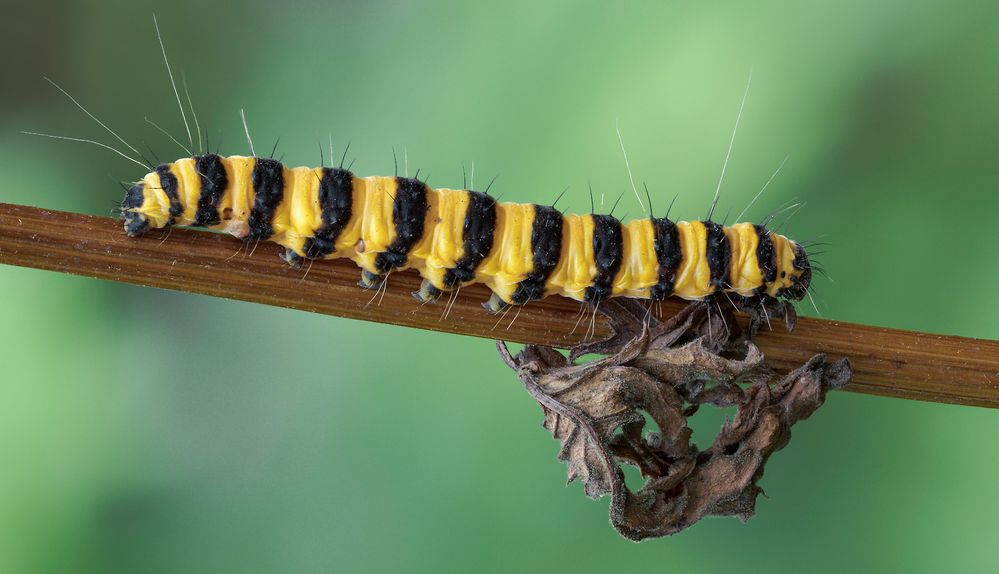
(886, 362)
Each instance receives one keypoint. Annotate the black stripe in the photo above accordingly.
(336, 197)
(409, 209)
(168, 181)
(477, 237)
(668, 255)
(214, 182)
(766, 256)
(608, 248)
(268, 187)
(546, 249)
(718, 254)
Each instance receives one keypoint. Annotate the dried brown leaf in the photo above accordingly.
(666, 370)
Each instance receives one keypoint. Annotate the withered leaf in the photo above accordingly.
(666, 370)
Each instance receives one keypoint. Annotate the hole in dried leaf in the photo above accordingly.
(706, 421)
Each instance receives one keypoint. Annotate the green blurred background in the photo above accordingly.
(150, 431)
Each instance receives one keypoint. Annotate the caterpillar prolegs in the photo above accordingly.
(454, 237)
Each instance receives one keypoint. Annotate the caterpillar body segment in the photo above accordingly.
(522, 252)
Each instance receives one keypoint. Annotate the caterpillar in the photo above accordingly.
(455, 237)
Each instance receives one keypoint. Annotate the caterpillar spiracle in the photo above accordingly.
(454, 237)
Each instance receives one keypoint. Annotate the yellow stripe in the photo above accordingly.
(639, 266)
(239, 195)
(576, 267)
(443, 242)
(745, 275)
(693, 280)
(377, 228)
(188, 188)
(298, 215)
(155, 203)
(306, 215)
(511, 257)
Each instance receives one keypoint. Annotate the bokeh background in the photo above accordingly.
(151, 431)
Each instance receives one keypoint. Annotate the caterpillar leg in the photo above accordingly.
(370, 280)
(427, 293)
(495, 304)
(291, 258)
(238, 229)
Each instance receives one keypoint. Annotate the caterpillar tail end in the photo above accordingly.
(427, 293)
(134, 221)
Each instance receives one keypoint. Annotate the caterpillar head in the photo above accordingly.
(798, 275)
(135, 221)
(794, 272)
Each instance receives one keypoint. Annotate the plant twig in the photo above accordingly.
(886, 362)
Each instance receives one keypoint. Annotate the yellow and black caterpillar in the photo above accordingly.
(522, 252)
